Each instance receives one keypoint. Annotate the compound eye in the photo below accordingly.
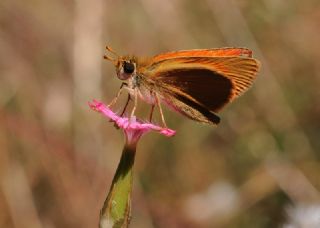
(128, 67)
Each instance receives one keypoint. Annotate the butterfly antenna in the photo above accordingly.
(114, 61)
(112, 51)
(110, 59)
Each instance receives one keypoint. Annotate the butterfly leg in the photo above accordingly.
(135, 102)
(126, 105)
(114, 100)
(151, 112)
(160, 110)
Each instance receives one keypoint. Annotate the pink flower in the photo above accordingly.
(117, 206)
(133, 127)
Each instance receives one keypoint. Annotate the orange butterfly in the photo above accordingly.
(196, 83)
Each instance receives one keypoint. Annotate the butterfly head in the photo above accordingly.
(126, 68)
(125, 65)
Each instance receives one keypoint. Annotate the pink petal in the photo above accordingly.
(129, 123)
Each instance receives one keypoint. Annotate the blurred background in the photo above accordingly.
(259, 168)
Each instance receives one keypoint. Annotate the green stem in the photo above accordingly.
(116, 209)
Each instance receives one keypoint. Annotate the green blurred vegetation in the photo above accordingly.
(57, 157)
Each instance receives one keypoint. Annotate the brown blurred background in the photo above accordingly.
(259, 168)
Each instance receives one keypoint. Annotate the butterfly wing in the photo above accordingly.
(198, 86)
(213, 52)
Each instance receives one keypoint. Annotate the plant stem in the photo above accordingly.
(116, 210)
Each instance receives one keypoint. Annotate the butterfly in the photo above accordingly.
(196, 83)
